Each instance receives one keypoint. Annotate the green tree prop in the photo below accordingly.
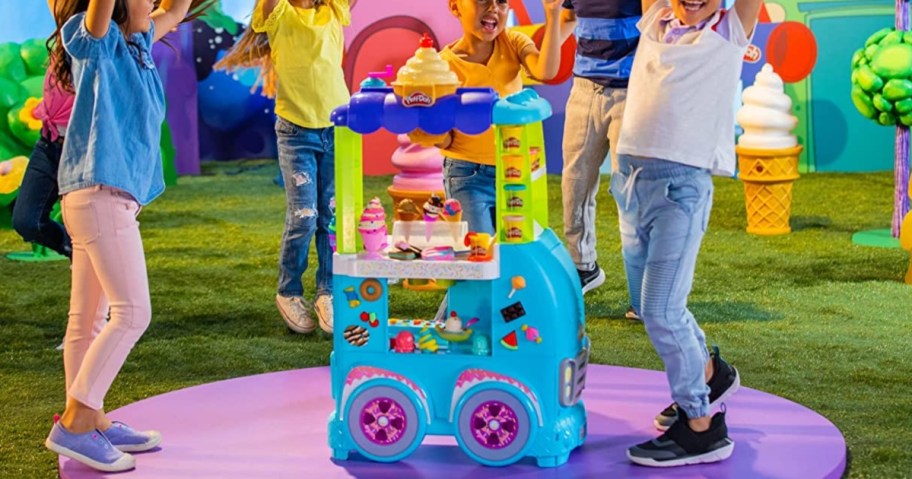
(882, 91)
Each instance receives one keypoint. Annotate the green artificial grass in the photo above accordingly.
(808, 316)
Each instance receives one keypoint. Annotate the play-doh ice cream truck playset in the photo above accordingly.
(504, 372)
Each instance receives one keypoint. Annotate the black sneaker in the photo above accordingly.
(724, 382)
(591, 279)
(681, 445)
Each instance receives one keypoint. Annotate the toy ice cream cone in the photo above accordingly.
(372, 228)
(452, 214)
(432, 208)
(767, 154)
(425, 77)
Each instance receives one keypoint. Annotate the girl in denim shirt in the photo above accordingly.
(110, 168)
(299, 45)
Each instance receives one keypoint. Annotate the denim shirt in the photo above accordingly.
(115, 129)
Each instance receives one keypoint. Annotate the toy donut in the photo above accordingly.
(371, 289)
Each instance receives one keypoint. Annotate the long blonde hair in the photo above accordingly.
(252, 50)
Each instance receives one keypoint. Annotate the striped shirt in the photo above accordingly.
(607, 38)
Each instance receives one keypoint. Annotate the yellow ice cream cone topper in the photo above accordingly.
(425, 77)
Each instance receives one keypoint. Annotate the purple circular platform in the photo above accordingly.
(274, 426)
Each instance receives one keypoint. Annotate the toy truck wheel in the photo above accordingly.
(493, 427)
(384, 423)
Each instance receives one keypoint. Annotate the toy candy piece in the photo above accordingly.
(471, 322)
(518, 283)
(513, 312)
(531, 333)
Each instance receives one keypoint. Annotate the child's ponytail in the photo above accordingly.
(252, 51)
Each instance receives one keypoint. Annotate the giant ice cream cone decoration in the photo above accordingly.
(421, 176)
(767, 154)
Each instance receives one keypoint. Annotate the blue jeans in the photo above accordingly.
(663, 209)
(475, 186)
(37, 195)
(307, 163)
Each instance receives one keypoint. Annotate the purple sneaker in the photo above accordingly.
(92, 449)
(127, 439)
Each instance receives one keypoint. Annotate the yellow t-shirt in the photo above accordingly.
(502, 73)
(307, 46)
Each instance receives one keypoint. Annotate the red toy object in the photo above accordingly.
(792, 51)
(509, 341)
(404, 342)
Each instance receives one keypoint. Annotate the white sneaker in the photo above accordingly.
(295, 313)
(323, 306)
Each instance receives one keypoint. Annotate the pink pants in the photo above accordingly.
(109, 267)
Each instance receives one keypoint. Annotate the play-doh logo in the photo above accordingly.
(511, 143)
(753, 54)
(417, 99)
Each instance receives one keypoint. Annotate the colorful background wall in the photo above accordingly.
(214, 117)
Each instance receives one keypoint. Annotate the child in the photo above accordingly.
(488, 56)
(110, 167)
(678, 129)
(302, 66)
(38, 192)
(604, 57)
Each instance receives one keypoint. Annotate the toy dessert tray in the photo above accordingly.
(357, 265)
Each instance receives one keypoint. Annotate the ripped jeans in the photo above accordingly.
(307, 163)
(663, 209)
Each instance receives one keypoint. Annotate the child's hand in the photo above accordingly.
(420, 137)
(552, 7)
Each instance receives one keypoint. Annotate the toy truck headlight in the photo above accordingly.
(573, 377)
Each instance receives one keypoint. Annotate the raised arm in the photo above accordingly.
(98, 17)
(748, 11)
(168, 15)
(567, 24)
(544, 64)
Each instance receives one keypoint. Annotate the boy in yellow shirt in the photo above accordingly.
(488, 56)
(299, 44)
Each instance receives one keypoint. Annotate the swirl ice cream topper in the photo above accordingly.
(373, 219)
(425, 77)
(767, 114)
(451, 207)
(432, 208)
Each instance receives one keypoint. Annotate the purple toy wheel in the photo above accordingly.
(384, 423)
(494, 424)
(493, 427)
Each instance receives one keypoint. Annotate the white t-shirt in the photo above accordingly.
(680, 97)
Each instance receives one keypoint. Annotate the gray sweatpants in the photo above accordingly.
(591, 130)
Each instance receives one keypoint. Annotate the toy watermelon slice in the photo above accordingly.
(509, 341)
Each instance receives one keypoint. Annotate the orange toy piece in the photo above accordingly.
(518, 283)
